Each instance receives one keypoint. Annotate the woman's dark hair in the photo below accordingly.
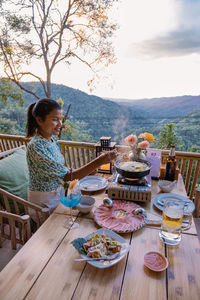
(40, 108)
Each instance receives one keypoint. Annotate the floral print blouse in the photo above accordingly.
(46, 164)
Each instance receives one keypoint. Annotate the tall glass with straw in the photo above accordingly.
(70, 198)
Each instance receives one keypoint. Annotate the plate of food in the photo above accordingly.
(120, 217)
(93, 183)
(102, 248)
(160, 199)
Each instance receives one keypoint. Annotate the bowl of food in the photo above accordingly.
(133, 169)
(167, 186)
(86, 204)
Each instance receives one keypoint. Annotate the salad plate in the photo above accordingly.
(101, 263)
(93, 183)
(160, 199)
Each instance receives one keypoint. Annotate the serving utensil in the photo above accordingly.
(110, 257)
(108, 202)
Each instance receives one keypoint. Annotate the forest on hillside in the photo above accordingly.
(91, 117)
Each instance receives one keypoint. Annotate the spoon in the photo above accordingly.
(111, 257)
(108, 202)
(139, 211)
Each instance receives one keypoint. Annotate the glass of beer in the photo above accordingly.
(170, 232)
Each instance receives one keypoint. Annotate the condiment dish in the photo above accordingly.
(86, 204)
(167, 186)
(155, 261)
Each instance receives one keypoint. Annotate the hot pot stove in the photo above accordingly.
(132, 189)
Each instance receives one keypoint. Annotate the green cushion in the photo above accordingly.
(14, 174)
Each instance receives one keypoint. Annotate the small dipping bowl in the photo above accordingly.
(86, 204)
(166, 186)
(155, 261)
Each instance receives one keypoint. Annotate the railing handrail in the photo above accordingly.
(180, 154)
(77, 154)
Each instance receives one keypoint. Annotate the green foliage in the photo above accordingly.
(18, 23)
(7, 126)
(76, 132)
(194, 148)
(167, 137)
(12, 118)
(91, 117)
(9, 91)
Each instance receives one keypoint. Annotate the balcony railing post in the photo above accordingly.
(77, 154)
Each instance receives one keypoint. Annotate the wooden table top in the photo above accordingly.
(45, 268)
(152, 212)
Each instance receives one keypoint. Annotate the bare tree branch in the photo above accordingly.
(39, 78)
(56, 34)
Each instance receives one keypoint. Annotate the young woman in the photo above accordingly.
(45, 161)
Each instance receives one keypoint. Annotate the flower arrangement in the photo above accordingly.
(69, 186)
(139, 144)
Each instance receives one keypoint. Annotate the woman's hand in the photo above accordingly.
(108, 156)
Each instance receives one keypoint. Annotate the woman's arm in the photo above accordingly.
(104, 158)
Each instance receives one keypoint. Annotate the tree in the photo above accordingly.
(76, 132)
(12, 118)
(53, 31)
(167, 137)
(9, 91)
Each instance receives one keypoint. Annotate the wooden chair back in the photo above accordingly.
(11, 201)
(17, 205)
(17, 228)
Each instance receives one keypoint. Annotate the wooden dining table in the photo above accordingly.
(45, 267)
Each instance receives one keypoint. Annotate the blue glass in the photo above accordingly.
(70, 201)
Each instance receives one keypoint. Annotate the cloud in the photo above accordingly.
(182, 40)
(177, 43)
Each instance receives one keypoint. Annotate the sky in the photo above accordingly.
(158, 52)
(157, 47)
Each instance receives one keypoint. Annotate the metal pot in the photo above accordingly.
(133, 174)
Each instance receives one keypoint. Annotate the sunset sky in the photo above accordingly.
(157, 48)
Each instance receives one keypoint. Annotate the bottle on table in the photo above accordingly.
(171, 165)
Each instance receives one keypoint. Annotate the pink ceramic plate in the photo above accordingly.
(120, 217)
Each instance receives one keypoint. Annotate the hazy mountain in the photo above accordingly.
(103, 117)
(107, 117)
(163, 107)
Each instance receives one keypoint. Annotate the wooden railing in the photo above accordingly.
(77, 154)
(189, 167)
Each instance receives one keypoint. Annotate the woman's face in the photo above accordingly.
(51, 125)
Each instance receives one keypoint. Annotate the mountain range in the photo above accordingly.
(118, 118)
(165, 106)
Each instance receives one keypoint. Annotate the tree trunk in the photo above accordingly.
(48, 89)
(63, 121)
